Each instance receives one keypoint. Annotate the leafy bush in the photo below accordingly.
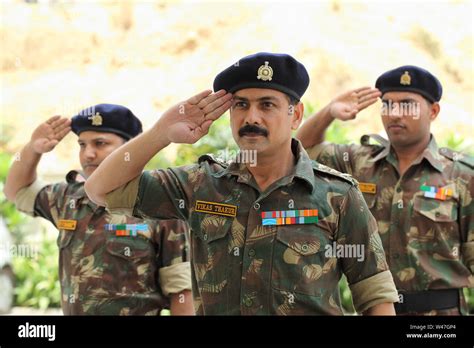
(37, 282)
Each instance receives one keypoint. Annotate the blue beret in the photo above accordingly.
(409, 78)
(281, 72)
(108, 118)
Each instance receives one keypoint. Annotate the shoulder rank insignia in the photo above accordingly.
(265, 72)
(405, 79)
(289, 217)
(96, 119)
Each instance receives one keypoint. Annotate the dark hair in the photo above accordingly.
(292, 100)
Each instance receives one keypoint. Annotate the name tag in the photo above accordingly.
(69, 225)
(366, 187)
(216, 208)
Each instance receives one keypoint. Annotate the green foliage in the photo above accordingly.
(456, 142)
(469, 294)
(13, 218)
(219, 139)
(37, 283)
(346, 296)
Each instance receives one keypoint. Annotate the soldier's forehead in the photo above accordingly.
(89, 135)
(258, 93)
(396, 95)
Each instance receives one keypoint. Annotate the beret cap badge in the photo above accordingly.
(96, 119)
(405, 79)
(265, 72)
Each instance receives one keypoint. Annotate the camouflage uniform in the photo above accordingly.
(102, 273)
(240, 266)
(429, 242)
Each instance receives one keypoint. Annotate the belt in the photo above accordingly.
(428, 300)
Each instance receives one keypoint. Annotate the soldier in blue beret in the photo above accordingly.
(421, 195)
(268, 237)
(109, 264)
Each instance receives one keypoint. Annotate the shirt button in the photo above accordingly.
(205, 236)
(251, 252)
(437, 214)
(399, 189)
(304, 247)
(248, 302)
(256, 206)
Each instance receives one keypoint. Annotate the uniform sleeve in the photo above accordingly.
(175, 270)
(466, 223)
(336, 156)
(364, 262)
(40, 199)
(157, 194)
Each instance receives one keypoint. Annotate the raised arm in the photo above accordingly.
(344, 107)
(186, 122)
(43, 139)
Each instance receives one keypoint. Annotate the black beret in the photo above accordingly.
(108, 118)
(409, 78)
(281, 72)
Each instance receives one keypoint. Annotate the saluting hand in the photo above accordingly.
(189, 121)
(48, 134)
(348, 105)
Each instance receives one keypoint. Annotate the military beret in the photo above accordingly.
(108, 118)
(409, 78)
(281, 72)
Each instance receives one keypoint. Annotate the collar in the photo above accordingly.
(78, 192)
(431, 153)
(303, 168)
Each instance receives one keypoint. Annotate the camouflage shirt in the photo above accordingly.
(240, 265)
(425, 217)
(102, 271)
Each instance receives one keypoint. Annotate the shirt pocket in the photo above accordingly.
(209, 228)
(436, 210)
(299, 261)
(209, 249)
(129, 264)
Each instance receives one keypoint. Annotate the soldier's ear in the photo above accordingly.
(297, 117)
(434, 111)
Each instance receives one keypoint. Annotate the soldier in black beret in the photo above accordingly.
(109, 264)
(101, 129)
(421, 195)
(264, 231)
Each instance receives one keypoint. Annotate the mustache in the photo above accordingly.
(396, 124)
(251, 128)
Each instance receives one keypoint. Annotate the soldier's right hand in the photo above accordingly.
(48, 134)
(190, 120)
(348, 105)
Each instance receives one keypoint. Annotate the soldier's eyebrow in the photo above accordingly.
(91, 140)
(264, 98)
(406, 100)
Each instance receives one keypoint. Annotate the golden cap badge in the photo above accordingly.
(96, 119)
(265, 72)
(405, 79)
